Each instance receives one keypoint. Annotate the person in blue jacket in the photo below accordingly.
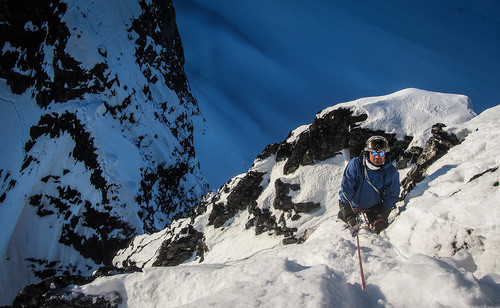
(370, 184)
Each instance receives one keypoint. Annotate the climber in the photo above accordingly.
(370, 185)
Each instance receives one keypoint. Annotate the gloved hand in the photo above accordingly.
(346, 214)
(384, 213)
(381, 223)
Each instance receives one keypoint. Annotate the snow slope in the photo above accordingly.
(261, 68)
(96, 139)
(441, 248)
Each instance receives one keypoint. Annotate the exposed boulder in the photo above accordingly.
(324, 138)
(283, 201)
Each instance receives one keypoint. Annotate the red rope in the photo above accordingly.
(363, 212)
(360, 263)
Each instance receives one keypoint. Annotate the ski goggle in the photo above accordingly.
(375, 153)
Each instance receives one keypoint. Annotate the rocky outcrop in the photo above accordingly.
(409, 157)
(284, 202)
(25, 29)
(243, 195)
(184, 244)
(54, 291)
(327, 136)
(437, 146)
(157, 23)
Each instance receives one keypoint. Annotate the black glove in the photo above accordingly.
(384, 213)
(381, 223)
(347, 215)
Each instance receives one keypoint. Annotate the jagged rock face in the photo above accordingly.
(28, 26)
(94, 118)
(327, 136)
(437, 146)
(180, 247)
(244, 194)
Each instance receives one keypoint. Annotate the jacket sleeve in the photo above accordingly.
(350, 180)
(392, 188)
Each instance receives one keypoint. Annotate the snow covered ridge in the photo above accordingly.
(280, 191)
(98, 120)
(440, 249)
(410, 112)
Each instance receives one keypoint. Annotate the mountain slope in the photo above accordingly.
(440, 249)
(299, 176)
(97, 123)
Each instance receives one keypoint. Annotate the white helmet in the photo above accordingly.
(377, 143)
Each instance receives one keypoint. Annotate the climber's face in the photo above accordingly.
(377, 158)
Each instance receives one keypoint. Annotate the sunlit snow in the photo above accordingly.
(441, 248)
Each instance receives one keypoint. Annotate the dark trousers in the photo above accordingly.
(371, 213)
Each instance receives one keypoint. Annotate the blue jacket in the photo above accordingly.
(357, 191)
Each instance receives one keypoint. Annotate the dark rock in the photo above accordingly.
(494, 169)
(184, 245)
(270, 149)
(436, 147)
(70, 80)
(55, 291)
(171, 199)
(290, 240)
(264, 222)
(304, 207)
(54, 125)
(328, 135)
(160, 15)
(409, 157)
(284, 202)
(244, 195)
(285, 150)
(101, 246)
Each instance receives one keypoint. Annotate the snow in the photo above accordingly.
(18, 115)
(410, 112)
(441, 248)
(259, 71)
(99, 33)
